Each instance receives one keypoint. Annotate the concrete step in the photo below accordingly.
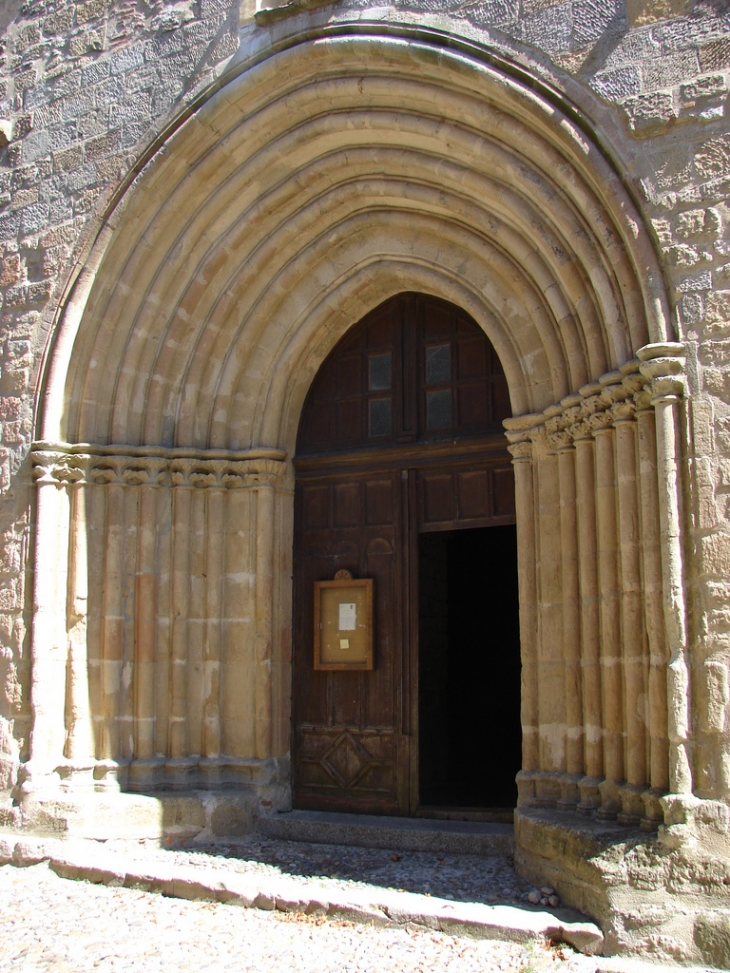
(375, 831)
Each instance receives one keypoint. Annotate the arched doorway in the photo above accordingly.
(403, 476)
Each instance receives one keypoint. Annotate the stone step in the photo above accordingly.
(119, 866)
(376, 831)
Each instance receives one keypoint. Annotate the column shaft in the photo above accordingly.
(265, 525)
(633, 633)
(589, 621)
(112, 629)
(551, 667)
(79, 749)
(611, 675)
(653, 609)
(49, 646)
(214, 607)
(527, 583)
(571, 623)
(145, 631)
(177, 723)
(678, 700)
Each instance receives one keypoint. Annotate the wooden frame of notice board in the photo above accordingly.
(343, 624)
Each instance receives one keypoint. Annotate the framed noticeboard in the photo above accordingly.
(343, 623)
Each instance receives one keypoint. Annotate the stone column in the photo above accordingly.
(610, 624)
(589, 621)
(202, 481)
(521, 450)
(145, 476)
(237, 648)
(663, 364)
(550, 667)
(108, 476)
(265, 527)
(163, 645)
(181, 506)
(562, 440)
(633, 634)
(49, 640)
(653, 612)
(214, 607)
(79, 750)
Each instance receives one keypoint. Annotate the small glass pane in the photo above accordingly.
(379, 417)
(438, 364)
(379, 372)
(438, 409)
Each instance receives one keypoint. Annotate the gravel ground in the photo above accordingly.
(50, 924)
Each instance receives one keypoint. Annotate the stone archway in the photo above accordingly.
(263, 231)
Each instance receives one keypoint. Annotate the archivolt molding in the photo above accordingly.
(82, 464)
(313, 187)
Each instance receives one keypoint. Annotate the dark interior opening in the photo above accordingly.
(469, 668)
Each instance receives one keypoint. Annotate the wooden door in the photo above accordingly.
(347, 745)
(401, 433)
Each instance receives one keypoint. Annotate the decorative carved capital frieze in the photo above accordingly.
(615, 398)
(81, 464)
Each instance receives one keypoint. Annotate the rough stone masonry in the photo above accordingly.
(197, 200)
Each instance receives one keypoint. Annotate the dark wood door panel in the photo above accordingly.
(478, 496)
(345, 723)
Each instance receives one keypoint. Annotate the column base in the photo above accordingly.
(653, 811)
(610, 808)
(590, 795)
(569, 792)
(632, 805)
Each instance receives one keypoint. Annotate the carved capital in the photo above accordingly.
(623, 411)
(521, 451)
(590, 405)
(581, 432)
(663, 365)
(59, 468)
(612, 394)
(643, 400)
(145, 471)
(561, 440)
(600, 422)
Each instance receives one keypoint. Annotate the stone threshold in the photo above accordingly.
(375, 831)
(89, 861)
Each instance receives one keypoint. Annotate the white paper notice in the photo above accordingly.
(348, 616)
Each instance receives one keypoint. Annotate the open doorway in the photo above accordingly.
(401, 436)
(469, 669)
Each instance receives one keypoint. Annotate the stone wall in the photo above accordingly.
(89, 88)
